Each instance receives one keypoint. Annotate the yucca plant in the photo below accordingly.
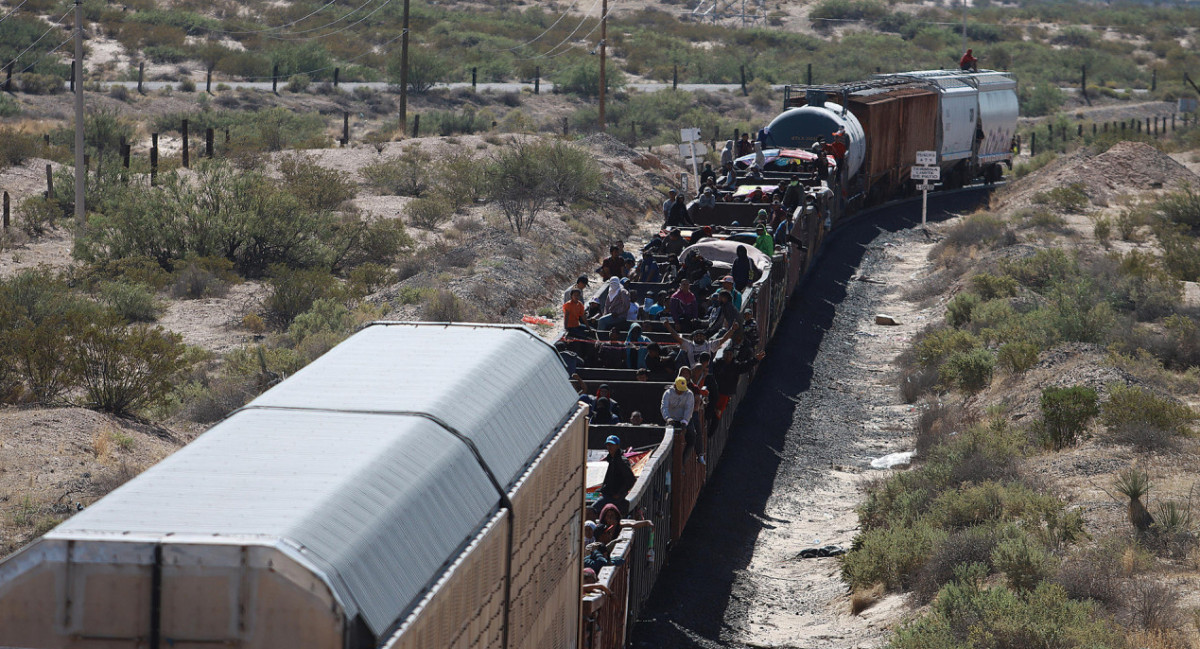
(1173, 517)
(1133, 484)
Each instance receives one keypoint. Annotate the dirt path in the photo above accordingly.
(823, 407)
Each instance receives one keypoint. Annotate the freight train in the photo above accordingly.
(423, 486)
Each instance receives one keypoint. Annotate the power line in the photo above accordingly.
(277, 27)
(539, 36)
(39, 39)
(336, 31)
(571, 48)
(339, 64)
(13, 11)
(578, 27)
(45, 54)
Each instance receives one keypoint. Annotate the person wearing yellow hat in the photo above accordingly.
(678, 402)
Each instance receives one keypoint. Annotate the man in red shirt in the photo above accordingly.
(968, 62)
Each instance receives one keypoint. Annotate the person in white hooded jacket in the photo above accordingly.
(678, 402)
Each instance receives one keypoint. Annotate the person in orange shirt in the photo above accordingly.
(575, 315)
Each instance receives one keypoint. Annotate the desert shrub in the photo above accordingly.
(970, 371)
(1102, 230)
(1154, 605)
(932, 347)
(293, 291)
(1017, 357)
(36, 215)
(1094, 573)
(572, 173)
(1022, 169)
(39, 84)
(8, 107)
(915, 382)
(444, 306)
(187, 85)
(1181, 208)
(298, 83)
(1067, 198)
(518, 179)
(1128, 221)
(958, 310)
(406, 174)
(325, 316)
(355, 240)
(425, 68)
(1066, 413)
(458, 172)
(1024, 563)
(583, 79)
(866, 10)
(15, 147)
(451, 122)
(368, 278)
(1137, 416)
(962, 548)
(965, 614)
(428, 213)
(119, 92)
(890, 556)
(133, 302)
(125, 369)
(317, 187)
(203, 277)
(41, 356)
(212, 402)
(1042, 269)
(991, 287)
(983, 228)
(935, 424)
(1041, 99)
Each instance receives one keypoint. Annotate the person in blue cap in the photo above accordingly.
(618, 479)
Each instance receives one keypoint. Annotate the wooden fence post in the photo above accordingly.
(473, 78)
(208, 81)
(416, 126)
(49, 181)
(745, 93)
(6, 210)
(8, 77)
(345, 128)
(537, 80)
(1033, 144)
(566, 125)
(275, 79)
(184, 130)
(153, 159)
(808, 76)
(675, 78)
(336, 73)
(125, 155)
(208, 142)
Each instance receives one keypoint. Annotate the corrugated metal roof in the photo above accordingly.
(381, 501)
(466, 376)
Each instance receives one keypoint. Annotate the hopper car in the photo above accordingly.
(424, 485)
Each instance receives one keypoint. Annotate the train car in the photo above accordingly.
(420, 485)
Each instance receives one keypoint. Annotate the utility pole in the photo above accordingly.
(964, 29)
(603, 54)
(404, 71)
(80, 211)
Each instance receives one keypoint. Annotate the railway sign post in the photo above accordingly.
(689, 136)
(925, 171)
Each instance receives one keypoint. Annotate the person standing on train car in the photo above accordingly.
(744, 147)
(581, 284)
(968, 62)
(794, 194)
(707, 174)
(727, 155)
(618, 478)
(741, 269)
(683, 307)
(764, 241)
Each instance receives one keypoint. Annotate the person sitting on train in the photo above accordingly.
(749, 328)
(968, 62)
(611, 352)
(643, 375)
(781, 232)
(708, 199)
(742, 269)
(678, 403)
(635, 418)
(707, 174)
(581, 284)
(698, 234)
(635, 353)
(822, 164)
(676, 212)
(755, 196)
(659, 363)
(589, 532)
(744, 147)
(611, 525)
(674, 243)
(728, 369)
(590, 585)
(730, 180)
(755, 174)
(683, 306)
(615, 310)
(575, 315)
(605, 392)
(654, 308)
(603, 415)
(726, 316)
(646, 269)
(618, 480)
(690, 349)
(793, 194)
(764, 241)
(691, 431)
(736, 295)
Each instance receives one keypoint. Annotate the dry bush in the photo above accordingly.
(972, 545)
(865, 598)
(444, 306)
(935, 423)
(1153, 605)
(1095, 573)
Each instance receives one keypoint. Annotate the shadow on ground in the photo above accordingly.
(694, 600)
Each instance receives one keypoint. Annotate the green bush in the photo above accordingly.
(41, 355)
(990, 287)
(1038, 161)
(125, 369)
(571, 172)
(293, 291)
(317, 187)
(133, 302)
(428, 213)
(1138, 416)
(583, 79)
(15, 147)
(298, 83)
(865, 10)
(1068, 198)
(1066, 413)
(39, 84)
(934, 346)
(890, 556)
(407, 174)
(36, 215)
(325, 316)
(1181, 208)
(969, 371)
(425, 68)
(187, 85)
(979, 229)
(518, 182)
(1017, 357)
(201, 277)
(959, 309)
(8, 108)
(1042, 269)
(1023, 561)
(444, 306)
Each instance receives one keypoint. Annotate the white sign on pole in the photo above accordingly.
(689, 134)
(926, 157)
(926, 173)
(683, 181)
(687, 148)
(924, 185)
